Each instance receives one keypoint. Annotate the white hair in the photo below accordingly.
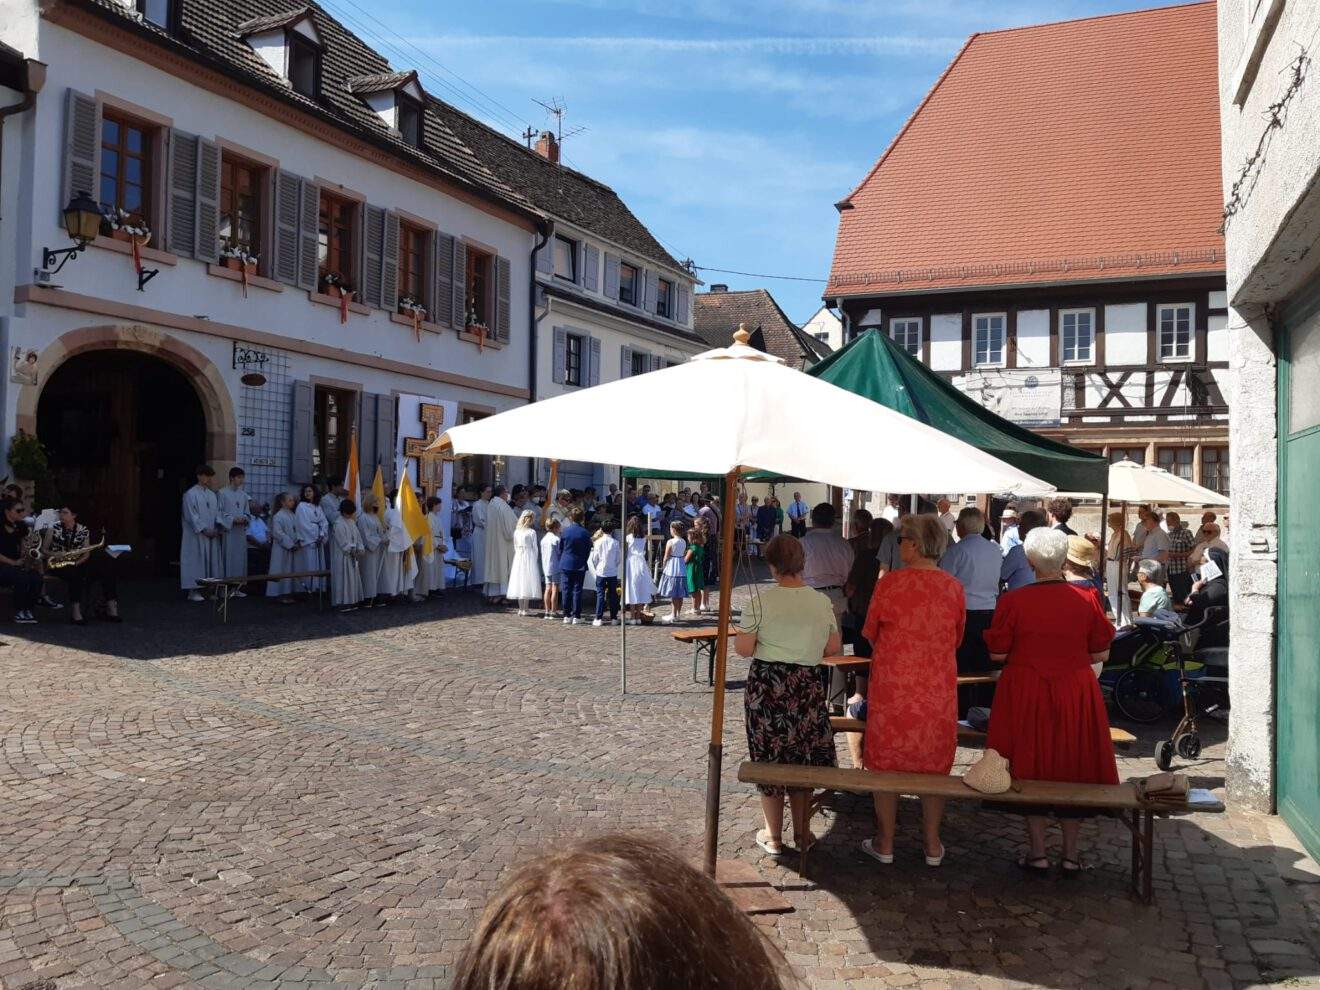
(1046, 550)
(1153, 570)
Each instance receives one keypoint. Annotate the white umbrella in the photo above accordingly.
(756, 415)
(1139, 483)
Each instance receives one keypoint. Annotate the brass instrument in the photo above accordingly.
(71, 558)
(30, 550)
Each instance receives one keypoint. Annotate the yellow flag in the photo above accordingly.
(378, 489)
(414, 519)
(351, 480)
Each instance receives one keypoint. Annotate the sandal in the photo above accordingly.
(804, 848)
(868, 847)
(1072, 867)
(769, 845)
(1028, 863)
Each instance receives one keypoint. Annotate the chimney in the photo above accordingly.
(547, 147)
(719, 287)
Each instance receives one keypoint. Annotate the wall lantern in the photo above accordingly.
(82, 219)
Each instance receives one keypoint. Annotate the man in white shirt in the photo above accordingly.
(653, 512)
(892, 510)
(797, 515)
(1009, 536)
(976, 563)
(947, 517)
(829, 558)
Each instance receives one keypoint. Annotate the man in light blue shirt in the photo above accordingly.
(1010, 534)
(975, 562)
(1015, 572)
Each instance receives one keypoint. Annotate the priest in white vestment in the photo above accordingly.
(345, 552)
(313, 535)
(235, 514)
(500, 524)
(397, 542)
(431, 573)
(200, 553)
(283, 548)
(373, 548)
(480, 513)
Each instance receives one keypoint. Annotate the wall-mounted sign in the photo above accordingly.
(263, 461)
(1028, 398)
(249, 357)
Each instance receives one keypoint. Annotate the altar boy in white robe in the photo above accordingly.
(200, 553)
(283, 548)
(373, 548)
(313, 535)
(431, 573)
(345, 552)
(397, 542)
(235, 514)
(480, 512)
(500, 524)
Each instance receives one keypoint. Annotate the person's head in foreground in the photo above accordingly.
(1046, 550)
(617, 912)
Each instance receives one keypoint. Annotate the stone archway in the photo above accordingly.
(217, 405)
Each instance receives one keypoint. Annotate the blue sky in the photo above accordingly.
(730, 127)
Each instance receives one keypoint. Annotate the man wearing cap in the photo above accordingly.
(1009, 537)
(1079, 566)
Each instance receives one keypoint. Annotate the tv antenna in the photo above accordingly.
(557, 109)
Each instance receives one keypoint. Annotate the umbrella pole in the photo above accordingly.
(1104, 554)
(550, 493)
(715, 754)
(623, 586)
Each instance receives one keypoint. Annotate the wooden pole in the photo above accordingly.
(550, 493)
(623, 583)
(715, 754)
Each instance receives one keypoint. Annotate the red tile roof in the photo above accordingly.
(1083, 150)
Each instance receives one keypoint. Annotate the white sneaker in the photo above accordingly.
(567, 621)
(239, 594)
(522, 612)
(25, 618)
(667, 620)
(597, 622)
(195, 596)
(577, 622)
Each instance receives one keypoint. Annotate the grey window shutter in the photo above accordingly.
(442, 297)
(309, 222)
(288, 192)
(389, 269)
(370, 266)
(591, 267)
(657, 362)
(301, 440)
(503, 311)
(559, 357)
(625, 361)
(545, 258)
(460, 284)
(594, 374)
(684, 303)
(385, 437)
(652, 291)
(183, 189)
(611, 276)
(367, 440)
(82, 148)
(580, 262)
(208, 202)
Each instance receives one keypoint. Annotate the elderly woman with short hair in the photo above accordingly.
(1049, 719)
(1150, 575)
(914, 626)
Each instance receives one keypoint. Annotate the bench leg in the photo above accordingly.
(1142, 826)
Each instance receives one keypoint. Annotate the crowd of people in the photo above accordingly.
(932, 596)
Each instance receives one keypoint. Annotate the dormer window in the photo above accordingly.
(398, 100)
(409, 113)
(303, 64)
(157, 12)
(289, 44)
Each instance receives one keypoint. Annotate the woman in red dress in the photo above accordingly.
(914, 625)
(1049, 718)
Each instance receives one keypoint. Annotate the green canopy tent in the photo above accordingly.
(874, 366)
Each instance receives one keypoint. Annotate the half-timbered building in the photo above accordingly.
(1044, 230)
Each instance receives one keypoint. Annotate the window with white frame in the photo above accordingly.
(1077, 336)
(1173, 323)
(565, 258)
(906, 333)
(988, 339)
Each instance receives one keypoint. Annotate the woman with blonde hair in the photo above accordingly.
(525, 570)
(914, 626)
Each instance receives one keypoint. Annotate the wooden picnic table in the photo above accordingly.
(703, 640)
(227, 587)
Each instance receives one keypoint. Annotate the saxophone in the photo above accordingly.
(71, 558)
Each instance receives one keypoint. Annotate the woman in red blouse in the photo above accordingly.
(914, 625)
(1049, 717)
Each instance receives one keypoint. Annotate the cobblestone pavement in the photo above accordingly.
(302, 799)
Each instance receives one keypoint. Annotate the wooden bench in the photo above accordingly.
(1121, 799)
(703, 640)
(1119, 737)
(225, 588)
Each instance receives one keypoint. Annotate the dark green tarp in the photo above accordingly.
(874, 366)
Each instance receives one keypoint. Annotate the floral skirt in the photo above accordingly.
(787, 718)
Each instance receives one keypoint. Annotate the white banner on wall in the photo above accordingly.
(420, 419)
(1026, 397)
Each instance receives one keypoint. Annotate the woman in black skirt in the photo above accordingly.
(787, 630)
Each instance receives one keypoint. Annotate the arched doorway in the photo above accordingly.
(124, 431)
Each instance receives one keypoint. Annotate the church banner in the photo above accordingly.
(421, 419)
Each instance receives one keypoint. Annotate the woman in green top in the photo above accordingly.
(786, 631)
(695, 562)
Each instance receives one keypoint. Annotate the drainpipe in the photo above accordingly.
(546, 228)
(847, 322)
(34, 77)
